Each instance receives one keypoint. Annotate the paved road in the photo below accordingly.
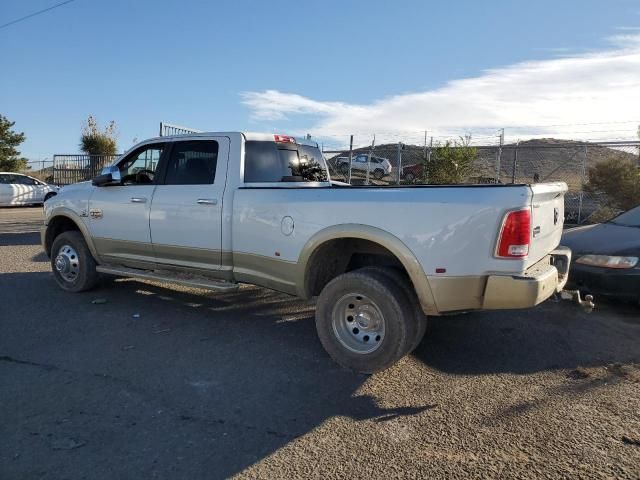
(205, 385)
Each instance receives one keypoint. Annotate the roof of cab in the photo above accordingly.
(254, 136)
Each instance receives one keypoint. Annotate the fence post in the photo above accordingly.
(399, 160)
(515, 163)
(499, 156)
(582, 179)
(350, 158)
(426, 167)
(373, 144)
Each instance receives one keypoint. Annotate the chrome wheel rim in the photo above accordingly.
(67, 263)
(358, 323)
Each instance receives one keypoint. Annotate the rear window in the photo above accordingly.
(267, 162)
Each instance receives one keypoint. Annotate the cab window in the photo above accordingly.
(192, 163)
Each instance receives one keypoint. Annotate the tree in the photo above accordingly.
(93, 141)
(451, 162)
(10, 159)
(618, 179)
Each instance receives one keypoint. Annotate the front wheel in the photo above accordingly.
(364, 321)
(74, 268)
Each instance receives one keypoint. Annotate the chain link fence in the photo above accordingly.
(463, 162)
(41, 169)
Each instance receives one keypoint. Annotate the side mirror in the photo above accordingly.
(109, 176)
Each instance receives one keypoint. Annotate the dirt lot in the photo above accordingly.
(205, 385)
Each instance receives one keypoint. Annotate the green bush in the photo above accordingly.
(450, 162)
(619, 180)
(96, 142)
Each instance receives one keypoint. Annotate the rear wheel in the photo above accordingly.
(49, 195)
(378, 174)
(402, 280)
(364, 321)
(74, 268)
(409, 177)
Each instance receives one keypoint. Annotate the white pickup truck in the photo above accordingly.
(214, 210)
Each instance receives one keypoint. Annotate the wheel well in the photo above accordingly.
(56, 226)
(342, 255)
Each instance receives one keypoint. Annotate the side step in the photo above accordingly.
(170, 277)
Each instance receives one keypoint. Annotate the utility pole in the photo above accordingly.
(499, 156)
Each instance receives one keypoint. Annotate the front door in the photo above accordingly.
(186, 213)
(119, 214)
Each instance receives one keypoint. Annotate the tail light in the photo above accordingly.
(284, 139)
(515, 235)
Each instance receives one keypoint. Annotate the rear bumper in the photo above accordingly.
(538, 283)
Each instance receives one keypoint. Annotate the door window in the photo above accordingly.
(192, 163)
(139, 167)
(23, 180)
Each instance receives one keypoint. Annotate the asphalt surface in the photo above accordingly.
(166, 382)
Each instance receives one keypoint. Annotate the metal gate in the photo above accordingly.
(68, 169)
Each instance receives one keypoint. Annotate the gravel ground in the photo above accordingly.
(167, 382)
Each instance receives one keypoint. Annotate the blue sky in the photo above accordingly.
(303, 66)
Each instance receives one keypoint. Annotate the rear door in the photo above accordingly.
(186, 213)
(547, 218)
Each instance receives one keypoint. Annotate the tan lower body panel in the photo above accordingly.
(458, 293)
(123, 250)
(202, 258)
(264, 271)
(496, 292)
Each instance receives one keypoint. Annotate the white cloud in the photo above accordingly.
(563, 94)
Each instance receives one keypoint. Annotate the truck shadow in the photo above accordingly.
(192, 383)
(554, 335)
(204, 385)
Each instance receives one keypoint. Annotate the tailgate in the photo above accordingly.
(547, 219)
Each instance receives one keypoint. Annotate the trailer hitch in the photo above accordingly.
(574, 295)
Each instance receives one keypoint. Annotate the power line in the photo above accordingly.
(35, 13)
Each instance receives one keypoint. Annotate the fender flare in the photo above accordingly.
(75, 218)
(381, 237)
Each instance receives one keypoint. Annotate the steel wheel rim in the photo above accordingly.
(358, 323)
(67, 263)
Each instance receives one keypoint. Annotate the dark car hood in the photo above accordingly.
(603, 239)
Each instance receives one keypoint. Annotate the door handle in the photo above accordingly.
(138, 200)
(207, 201)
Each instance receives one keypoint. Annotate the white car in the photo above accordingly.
(378, 167)
(19, 189)
(213, 210)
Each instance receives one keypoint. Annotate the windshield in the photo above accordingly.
(630, 218)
